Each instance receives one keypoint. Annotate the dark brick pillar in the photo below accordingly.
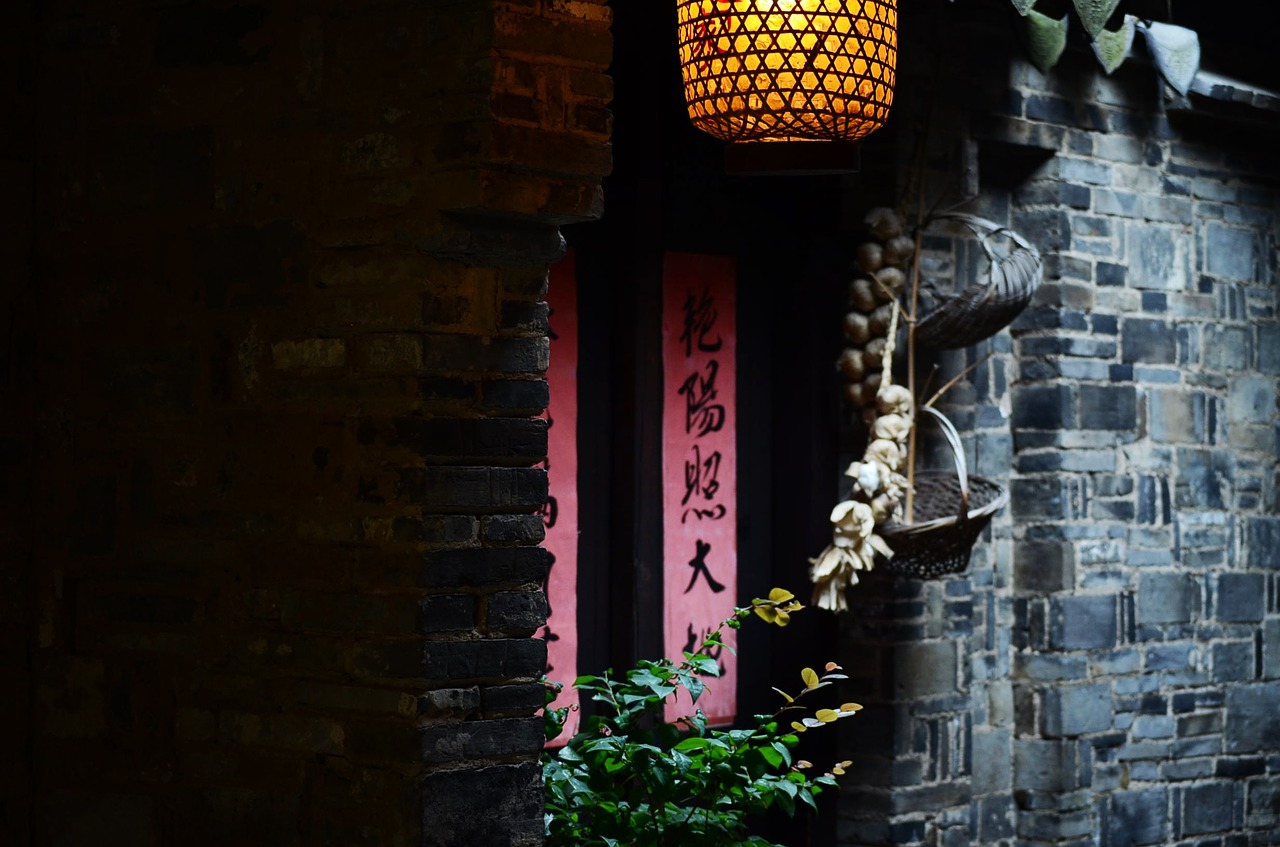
(16, 422)
(288, 342)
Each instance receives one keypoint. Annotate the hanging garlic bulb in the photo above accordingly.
(878, 483)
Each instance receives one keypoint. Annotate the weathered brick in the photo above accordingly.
(1083, 622)
(925, 669)
(510, 795)
(1138, 817)
(516, 610)
(1167, 598)
(485, 566)
(1144, 340)
(1233, 662)
(1252, 722)
(1108, 407)
(1231, 252)
(1077, 709)
(1044, 566)
(447, 612)
(1262, 537)
(1240, 597)
(1047, 407)
(476, 488)
(513, 529)
(1158, 257)
(1203, 807)
(476, 741)
(495, 439)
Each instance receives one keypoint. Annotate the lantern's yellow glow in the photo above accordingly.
(788, 70)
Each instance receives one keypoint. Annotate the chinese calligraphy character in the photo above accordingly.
(699, 412)
(699, 319)
(699, 565)
(700, 478)
(547, 634)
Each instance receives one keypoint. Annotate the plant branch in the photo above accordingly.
(951, 382)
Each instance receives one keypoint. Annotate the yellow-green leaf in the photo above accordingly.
(1047, 38)
(810, 677)
(780, 595)
(1094, 14)
(827, 715)
(1112, 48)
(798, 727)
(785, 695)
(851, 707)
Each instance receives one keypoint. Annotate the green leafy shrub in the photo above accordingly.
(629, 778)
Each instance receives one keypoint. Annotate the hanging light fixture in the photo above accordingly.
(791, 84)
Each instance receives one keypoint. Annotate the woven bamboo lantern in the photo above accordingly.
(819, 72)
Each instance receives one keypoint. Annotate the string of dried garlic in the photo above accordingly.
(876, 494)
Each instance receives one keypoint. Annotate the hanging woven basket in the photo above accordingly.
(951, 511)
(987, 306)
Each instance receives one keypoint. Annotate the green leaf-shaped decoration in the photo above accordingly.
(1047, 38)
(1112, 48)
(1176, 50)
(1094, 14)
(1023, 6)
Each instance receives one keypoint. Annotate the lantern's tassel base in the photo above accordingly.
(792, 158)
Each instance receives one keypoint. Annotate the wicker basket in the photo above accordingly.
(984, 308)
(951, 510)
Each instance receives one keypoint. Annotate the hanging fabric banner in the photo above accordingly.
(561, 512)
(699, 467)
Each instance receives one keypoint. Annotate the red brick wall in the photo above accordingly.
(283, 332)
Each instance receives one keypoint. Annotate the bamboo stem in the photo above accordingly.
(951, 382)
(909, 508)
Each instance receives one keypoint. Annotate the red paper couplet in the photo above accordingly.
(699, 467)
(561, 512)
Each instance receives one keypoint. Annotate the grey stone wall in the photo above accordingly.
(1108, 671)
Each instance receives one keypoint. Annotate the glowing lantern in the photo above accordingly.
(814, 71)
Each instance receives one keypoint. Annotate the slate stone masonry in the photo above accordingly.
(1106, 672)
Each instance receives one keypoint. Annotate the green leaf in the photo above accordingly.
(807, 796)
(1023, 6)
(1094, 14)
(772, 756)
(1047, 38)
(705, 665)
(788, 804)
(1112, 48)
